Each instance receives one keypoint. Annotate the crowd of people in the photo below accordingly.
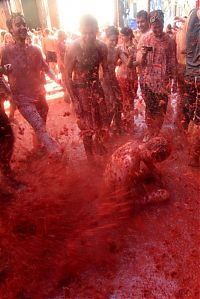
(101, 74)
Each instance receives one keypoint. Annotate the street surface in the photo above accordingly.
(62, 237)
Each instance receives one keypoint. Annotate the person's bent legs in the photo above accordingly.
(42, 108)
(31, 114)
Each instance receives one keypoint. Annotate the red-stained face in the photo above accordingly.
(157, 29)
(19, 28)
(142, 24)
(127, 40)
(88, 35)
(112, 41)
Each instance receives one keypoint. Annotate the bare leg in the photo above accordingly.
(31, 114)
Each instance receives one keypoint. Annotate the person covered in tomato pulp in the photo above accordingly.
(132, 170)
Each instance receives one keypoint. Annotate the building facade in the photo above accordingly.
(44, 13)
(171, 8)
(38, 13)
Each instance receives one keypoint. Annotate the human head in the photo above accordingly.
(126, 34)
(156, 19)
(61, 35)
(3, 32)
(89, 29)
(8, 39)
(159, 149)
(17, 26)
(112, 34)
(142, 19)
(169, 28)
(46, 32)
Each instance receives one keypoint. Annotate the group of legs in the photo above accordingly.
(35, 113)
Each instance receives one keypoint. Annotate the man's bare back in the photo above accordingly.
(131, 164)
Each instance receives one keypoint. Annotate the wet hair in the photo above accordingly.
(156, 16)
(10, 20)
(143, 14)
(88, 21)
(126, 31)
(7, 35)
(169, 26)
(159, 147)
(111, 30)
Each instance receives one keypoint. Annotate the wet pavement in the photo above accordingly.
(63, 238)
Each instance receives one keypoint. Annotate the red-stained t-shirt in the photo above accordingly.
(160, 64)
(28, 67)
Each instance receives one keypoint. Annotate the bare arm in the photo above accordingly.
(128, 61)
(182, 41)
(69, 62)
(104, 63)
(47, 70)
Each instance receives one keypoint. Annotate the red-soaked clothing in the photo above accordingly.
(129, 91)
(27, 86)
(91, 109)
(28, 67)
(160, 63)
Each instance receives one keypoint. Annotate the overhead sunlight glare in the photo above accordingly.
(70, 12)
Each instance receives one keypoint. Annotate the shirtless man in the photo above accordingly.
(27, 87)
(61, 49)
(132, 164)
(49, 49)
(82, 61)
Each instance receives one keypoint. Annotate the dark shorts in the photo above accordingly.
(156, 103)
(51, 56)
